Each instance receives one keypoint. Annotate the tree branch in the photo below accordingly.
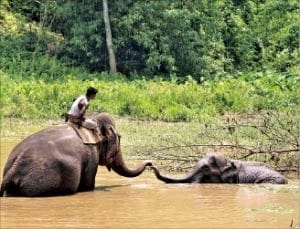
(251, 151)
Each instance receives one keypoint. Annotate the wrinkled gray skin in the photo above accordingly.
(255, 172)
(215, 168)
(54, 161)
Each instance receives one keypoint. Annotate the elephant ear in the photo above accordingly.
(221, 162)
(230, 174)
(113, 144)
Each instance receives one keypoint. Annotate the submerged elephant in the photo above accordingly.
(256, 172)
(216, 168)
(55, 161)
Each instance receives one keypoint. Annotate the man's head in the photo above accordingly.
(91, 92)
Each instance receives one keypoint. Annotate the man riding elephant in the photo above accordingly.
(55, 160)
(79, 108)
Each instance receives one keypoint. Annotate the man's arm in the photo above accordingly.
(82, 107)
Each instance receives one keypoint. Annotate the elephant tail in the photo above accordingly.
(10, 181)
(4, 185)
(2, 189)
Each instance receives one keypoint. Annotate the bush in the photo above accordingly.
(155, 99)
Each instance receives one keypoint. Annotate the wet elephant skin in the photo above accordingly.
(54, 161)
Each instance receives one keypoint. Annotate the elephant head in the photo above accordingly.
(218, 169)
(214, 168)
(110, 150)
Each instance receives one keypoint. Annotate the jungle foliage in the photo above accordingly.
(177, 60)
(203, 39)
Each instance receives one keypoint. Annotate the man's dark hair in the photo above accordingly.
(91, 91)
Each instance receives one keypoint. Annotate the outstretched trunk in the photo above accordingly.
(119, 167)
(187, 179)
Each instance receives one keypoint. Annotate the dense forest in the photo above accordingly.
(203, 39)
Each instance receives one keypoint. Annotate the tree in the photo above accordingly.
(209, 39)
(111, 54)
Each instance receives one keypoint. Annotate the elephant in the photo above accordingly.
(54, 161)
(257, 172)
(216, 168)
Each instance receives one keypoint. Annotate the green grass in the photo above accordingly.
(149, 100)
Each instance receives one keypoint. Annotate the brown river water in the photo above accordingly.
(145, 202)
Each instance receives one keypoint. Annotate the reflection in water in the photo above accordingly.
(145, 202)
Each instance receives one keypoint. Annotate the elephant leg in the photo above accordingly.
(87, 183)
(70, 174)
(87, 180)
(46, 179)
(57, 178)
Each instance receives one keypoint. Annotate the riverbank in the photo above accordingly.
(176, 146)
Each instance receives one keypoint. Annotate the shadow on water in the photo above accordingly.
(107, 188)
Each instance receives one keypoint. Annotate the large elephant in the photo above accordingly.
(216, 168)
(55, 161)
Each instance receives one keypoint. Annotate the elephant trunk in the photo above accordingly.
(119, 167)
(187, 179)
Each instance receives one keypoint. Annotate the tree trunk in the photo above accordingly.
(111, 54)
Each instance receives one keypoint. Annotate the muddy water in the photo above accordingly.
(145, 202)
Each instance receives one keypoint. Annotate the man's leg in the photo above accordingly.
(90, 124)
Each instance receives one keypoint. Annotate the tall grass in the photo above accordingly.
(156, 100)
